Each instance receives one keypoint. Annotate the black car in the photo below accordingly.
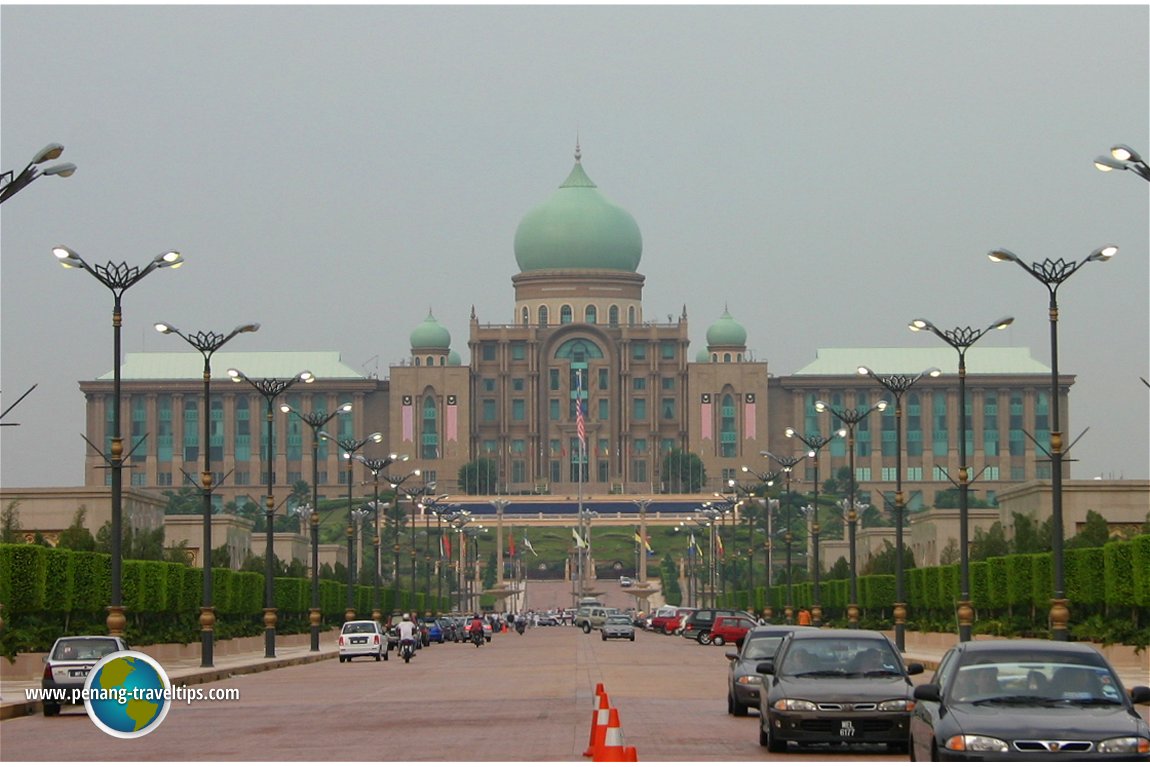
(1027, 699)
(743, 679)
(698, 624)
(836, 686)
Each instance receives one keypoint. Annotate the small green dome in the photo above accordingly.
(726, 332)
(453, 358)
(578, 228)
(430, 334)
(703, 356)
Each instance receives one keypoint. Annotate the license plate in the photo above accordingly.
(359, 640)
(846, 729)
(78, 672)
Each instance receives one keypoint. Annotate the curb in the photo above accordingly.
(190, 677)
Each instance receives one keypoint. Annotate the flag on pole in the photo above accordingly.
(579, 542)
(445, 545)
(646, 543)
(692, 547)
(511, 543)
(719, 543)
(580, 425)
(527, 544)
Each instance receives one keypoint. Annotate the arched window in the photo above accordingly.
(613, 316)
(429, 441)
(526, 316)
(727, 436)
(542, 316)
(726, 357)
(430, 361)
(416, 360)
(565, 315)
(630, 315)
(590, 314)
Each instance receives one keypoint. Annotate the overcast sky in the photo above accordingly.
(829, 173)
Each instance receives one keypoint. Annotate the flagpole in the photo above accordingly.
(582, 564)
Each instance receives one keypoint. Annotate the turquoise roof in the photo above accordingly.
(429, 334)
(578, 228)
(140, 366)
(726, 332)
(980, 360)
(703, 356)
(453, 358)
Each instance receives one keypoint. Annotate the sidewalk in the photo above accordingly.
(185, 671)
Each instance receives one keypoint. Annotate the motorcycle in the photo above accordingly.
(477, 638)
(407, 649)
(520, 626)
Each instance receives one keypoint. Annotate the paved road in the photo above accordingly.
(519, 698)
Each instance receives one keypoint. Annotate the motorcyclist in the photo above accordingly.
(407, 631)
(520, 622)
(476, 626)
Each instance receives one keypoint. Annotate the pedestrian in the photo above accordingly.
(804, 616)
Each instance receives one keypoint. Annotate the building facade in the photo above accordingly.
(577, 392)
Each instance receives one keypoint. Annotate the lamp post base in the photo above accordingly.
(900, 626)
(853, 616)
(207, 636)
(1060, 619)
(965, 620)
(789, 614)
(116, 621)
(349, 614)
(269, 632)
(314, 616)
(816, 615)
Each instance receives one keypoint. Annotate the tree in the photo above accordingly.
(991, 543)
(1095, 532)
(872, 517)
(76, 536)
(489, 571)
(479, 477)
(682, 472)
(1029, 536)
(950, 554)
(884, 562)
(948, 499)
(840, 570)
(186, 500)
(10, 530)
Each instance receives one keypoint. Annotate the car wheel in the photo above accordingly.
(342, 658)
(385, 656)
(763, 739)
(667, 631)
(632, 637)
(910, 749)
(738, 709)
(730, 704)
(378, 657)
(775, 745)
(586, 628)
(718, 641)
(704, 637)
(604, 637)
(51, 709)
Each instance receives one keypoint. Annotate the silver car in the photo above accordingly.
(617, 627)
(67, 666)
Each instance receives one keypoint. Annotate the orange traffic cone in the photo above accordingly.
(600, 719)
(613, 749)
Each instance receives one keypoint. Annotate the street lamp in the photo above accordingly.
(117, 278)
(457, 521)
(350, 446)
(416, 496)
(961, 339)
(375, 466)
(13, 183)
(897, 385)
(316, 420)
(207, 343)
(766, 480)
(852, 417)
(269, 389)
(396, 481)
(787, 463)
(1052, 274)
(1123, 157)
(815, 443)
(691, 526)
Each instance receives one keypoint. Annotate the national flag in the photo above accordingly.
(719, 543)
(511, 544)
(527, 545)
(445, 545)
(646, 543)
(579, 542)
(692, 547)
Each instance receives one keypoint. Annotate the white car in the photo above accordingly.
(71, 660)
(362, 638)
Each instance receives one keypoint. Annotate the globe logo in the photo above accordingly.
(127, 694)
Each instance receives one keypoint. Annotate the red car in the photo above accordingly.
(730, 628)
(675, 622)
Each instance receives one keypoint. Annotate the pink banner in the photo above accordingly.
(452, 423)
(407, 423)
(706, 418)
(749, 422)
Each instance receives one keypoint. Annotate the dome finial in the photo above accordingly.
(578, 152)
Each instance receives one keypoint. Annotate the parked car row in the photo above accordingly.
(1015, 700)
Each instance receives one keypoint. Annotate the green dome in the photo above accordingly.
(726, 332)
(578, 228)
(453, 358)
(430, 334)
(703, 356)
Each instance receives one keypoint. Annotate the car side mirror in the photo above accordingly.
(766, 667)
(1140, 694)
(731, 655)
(914, 668)
(929, 692)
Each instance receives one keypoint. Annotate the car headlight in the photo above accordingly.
(749, 679)
(1131, 744)
(794, 704)
(976, 743)
(898, 704)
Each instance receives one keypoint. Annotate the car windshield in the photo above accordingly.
(359, 628)
(844, 656)
(84, 649)
(619, 619)
(1035, 681)
(761, 648)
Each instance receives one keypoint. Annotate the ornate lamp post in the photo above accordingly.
(375, 466)
(11, 183)
(416, 496)
(897, 385)
(350, 446)
(316, 420)
(961, 339)
(1123, 157)
(396, 481)
(269, 389)
(117, 278)
(457, 521)
(852, 417)
(207, 343)
(815, 443)
(1052, 274)
(787, 463)
(766, 480)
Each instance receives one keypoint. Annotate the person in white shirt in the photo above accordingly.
(407, 630)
